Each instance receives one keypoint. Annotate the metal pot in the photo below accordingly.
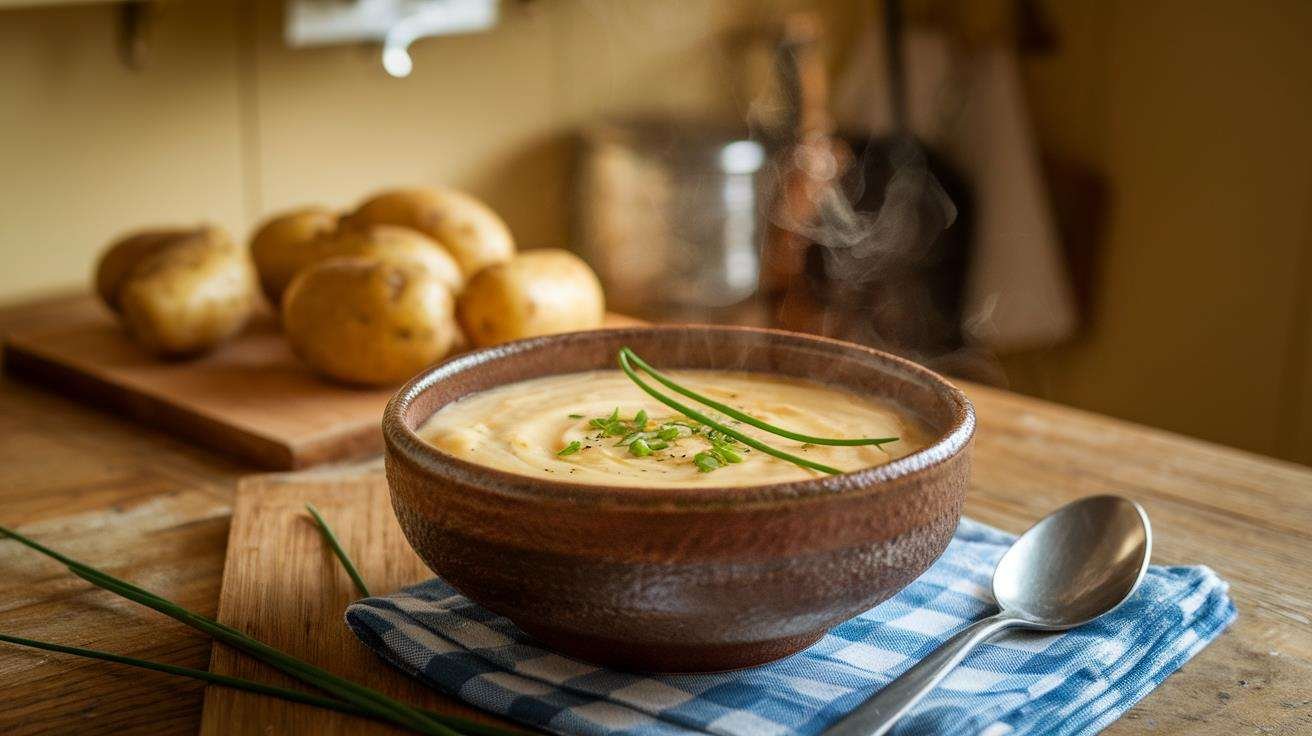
(670, 214)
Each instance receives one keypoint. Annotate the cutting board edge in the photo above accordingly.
(29, 364)
(74, 374)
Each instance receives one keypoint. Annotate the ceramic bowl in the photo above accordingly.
(684, 579)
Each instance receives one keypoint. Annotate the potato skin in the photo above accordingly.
(123, 255)
(538, 292)
(393, 243)
(368, 322)
(286, 243)
(188, 297)
(475, 235)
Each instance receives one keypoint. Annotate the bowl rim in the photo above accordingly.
(407, 443)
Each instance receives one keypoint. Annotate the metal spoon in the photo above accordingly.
(1080, 562)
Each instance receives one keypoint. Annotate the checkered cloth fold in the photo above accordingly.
(1075, 682)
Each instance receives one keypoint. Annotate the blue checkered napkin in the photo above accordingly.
(1075, 682)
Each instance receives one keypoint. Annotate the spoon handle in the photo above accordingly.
(878, 714)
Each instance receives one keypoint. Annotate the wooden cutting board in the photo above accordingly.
(250, 398)
(291, 593)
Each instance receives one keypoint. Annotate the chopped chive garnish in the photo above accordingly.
(640, 419)
(575, 416)
(570, 449)
(668, 433)
(631, 436)
(728, 455)
(639, 447)
(705, 462)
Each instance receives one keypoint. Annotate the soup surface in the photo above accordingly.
(569, 428)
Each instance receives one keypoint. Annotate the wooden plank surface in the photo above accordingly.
(154, 509)
(140, 504)
(251, 398)
(1208, 505)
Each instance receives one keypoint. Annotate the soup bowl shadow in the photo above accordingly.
(680, 579)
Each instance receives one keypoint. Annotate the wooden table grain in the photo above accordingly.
(155, 510)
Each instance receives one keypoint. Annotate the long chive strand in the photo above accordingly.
(432, 722)
(163, 605)
(463, 725)
(744, 417)
(236, 683)
(700, 417)
(68, 562)
(392, 710)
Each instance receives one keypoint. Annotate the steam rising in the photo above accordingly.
(914, 211)
(874, 247)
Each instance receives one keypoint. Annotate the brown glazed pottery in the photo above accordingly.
(684, 579)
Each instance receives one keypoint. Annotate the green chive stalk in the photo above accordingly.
(358, 695)
(465, 726)
(362, 697)
(211, 677)
(744, 417)
(691, 413)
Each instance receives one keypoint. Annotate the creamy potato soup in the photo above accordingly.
(580, 427)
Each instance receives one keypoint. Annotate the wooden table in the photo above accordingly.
(154, 510)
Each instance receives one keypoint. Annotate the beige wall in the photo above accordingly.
(227, 124)
(88, 148)
(1199, 114)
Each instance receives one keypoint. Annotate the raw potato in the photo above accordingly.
(124, 254)
(189, 296)
(466, 227)
(286, 243)
(366, 321)
(539, 292)
(393, 243)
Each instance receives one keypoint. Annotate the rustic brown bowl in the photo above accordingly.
(684, 579)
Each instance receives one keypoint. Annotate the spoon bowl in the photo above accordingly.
(1078, 563)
